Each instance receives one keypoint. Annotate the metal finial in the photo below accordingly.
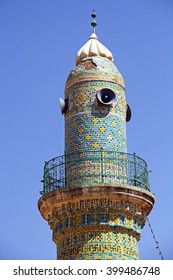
(93, 23)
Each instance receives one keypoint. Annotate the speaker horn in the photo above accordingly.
(63, 105)
(128, 113)
(106, 96)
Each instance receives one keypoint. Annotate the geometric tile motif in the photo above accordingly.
(98, 252)
(91, 126)
(98, 229)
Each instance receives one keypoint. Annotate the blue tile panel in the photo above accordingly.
(89, 125)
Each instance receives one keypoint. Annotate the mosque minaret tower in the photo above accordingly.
(96, 197)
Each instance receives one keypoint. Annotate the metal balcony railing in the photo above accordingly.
(95, 168)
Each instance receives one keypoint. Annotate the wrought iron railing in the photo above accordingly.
(95, 168)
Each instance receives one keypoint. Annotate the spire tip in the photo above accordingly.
(93, 23)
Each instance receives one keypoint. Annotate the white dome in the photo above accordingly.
(93, 48)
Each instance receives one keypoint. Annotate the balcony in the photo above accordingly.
(94, 168)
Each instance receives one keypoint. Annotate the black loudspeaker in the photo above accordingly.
(63, 105)
(128, 113)
(106, 96)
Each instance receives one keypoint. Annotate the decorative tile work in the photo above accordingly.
(90, 125)
(95, 145)
(98, 229)
(103, 70)
(97, 251)
(102, 129)
(95, 121)
(95, 128)
(88, 137)
(99, 121)
(99, 125)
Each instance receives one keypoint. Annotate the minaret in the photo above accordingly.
(96, 197)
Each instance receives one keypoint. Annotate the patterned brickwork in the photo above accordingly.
(89, 125)
(97, 222)
(97, 69)
(102, 245)
(97, 229)
(92, 126)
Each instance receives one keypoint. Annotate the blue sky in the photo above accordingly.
(39, 40)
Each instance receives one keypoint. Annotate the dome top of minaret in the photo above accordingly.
(93, 47)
